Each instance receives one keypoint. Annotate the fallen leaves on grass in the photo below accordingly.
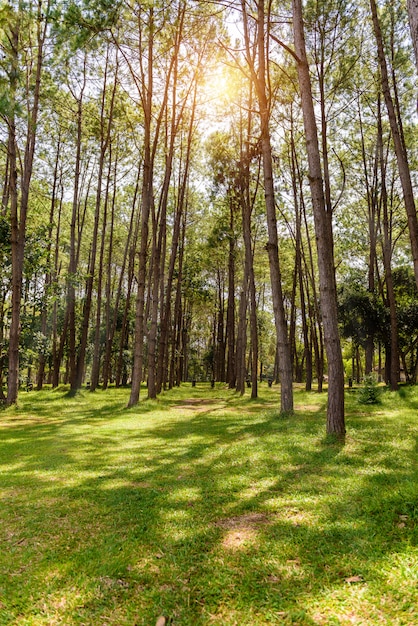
(354, 579)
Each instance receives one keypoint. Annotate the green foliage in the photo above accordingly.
(407, 316)
(362, 314)
(84, 19)
(370, 391)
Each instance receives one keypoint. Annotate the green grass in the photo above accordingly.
(208, 508)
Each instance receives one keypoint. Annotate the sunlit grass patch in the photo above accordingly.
(206, 507)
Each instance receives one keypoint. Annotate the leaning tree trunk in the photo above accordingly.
(324, 238)
(399, 143)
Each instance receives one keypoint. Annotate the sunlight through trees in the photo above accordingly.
(195, 191)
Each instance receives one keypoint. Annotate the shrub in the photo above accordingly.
(370, 392)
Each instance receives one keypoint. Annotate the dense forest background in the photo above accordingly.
(218, 191)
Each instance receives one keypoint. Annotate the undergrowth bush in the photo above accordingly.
(370, 392)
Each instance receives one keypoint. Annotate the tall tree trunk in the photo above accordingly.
(230, 311)
(152, 126)
(131, 247)
(324, 238)
(105, 136)
(13, 375)
(146, 205)
(179, 331)
(95, 369)
(18, 217)
(399, 142)
(246, 212)
(242, 337)
(249, 272)
(372, 211)
(2, 355)
(413, 22)
(220, 331)
(178, 232)
(260, 80)
(160, 221)
(50, 270)
(387, 260)
(111, 323)
(72, 269)
(299, 207)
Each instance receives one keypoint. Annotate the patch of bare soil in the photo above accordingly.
(144, 484)
(197, 405)
(241, 531)
(307, 407)
(248, 519)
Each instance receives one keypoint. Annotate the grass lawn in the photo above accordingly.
(207, 508)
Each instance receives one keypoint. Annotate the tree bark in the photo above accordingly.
(393, 369)
(230, 311)
(18, 215)
(399, 143)
(285, 361)
(413, 23)
(324, 238)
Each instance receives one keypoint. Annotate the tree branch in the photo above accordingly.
(283, 45)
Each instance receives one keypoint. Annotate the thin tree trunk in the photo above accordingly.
(131, 251)
(246, 211)
(95, 369)
(72, 269)
(399, 143)
(2, 356)
(252, 296)
(179, 341)
(230, 311)
(111, 323)
(151, 139)
(387, 261)
(18, 218)
(324, 237)
(242, 338)
(13, 374)
(50, 270)
(105, 136)
(299, 206)
(285, 361)
(413, 23)
(162, 374)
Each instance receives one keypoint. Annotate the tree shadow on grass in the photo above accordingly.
(209, 519)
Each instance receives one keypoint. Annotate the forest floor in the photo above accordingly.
(207, 508)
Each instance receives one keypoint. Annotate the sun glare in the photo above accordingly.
(219, 84)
